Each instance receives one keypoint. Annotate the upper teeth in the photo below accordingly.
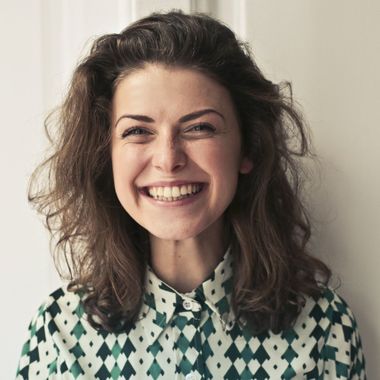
(175, 191)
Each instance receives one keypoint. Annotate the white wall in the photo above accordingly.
(24, 263)
(329, 50)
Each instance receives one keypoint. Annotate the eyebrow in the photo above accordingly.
(183, 119)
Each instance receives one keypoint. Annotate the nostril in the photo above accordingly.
(170, 159)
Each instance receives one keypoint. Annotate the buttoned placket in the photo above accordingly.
(166, 304)
(192, 309)
(197, 307)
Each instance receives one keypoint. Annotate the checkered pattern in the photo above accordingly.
(197, 339)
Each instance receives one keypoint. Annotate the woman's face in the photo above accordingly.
(176, 150)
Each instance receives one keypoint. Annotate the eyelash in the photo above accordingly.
(209, 127)
(131, 131)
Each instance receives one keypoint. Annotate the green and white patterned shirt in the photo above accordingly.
(192, 336)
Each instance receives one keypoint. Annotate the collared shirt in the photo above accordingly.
(192, 336)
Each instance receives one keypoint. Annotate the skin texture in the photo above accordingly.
(186, 240)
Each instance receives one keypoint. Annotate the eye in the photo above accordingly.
(203, 127)
(134, 131)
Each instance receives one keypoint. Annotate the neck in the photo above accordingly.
(185, 264)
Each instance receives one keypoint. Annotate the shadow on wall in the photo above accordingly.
(339, 239)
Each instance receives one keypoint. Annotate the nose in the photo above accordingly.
(168, 154)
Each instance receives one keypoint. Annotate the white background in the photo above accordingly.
(329, 50)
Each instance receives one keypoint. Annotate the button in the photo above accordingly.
(190, 376)
(191, 305)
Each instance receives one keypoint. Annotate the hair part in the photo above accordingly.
(107, 251)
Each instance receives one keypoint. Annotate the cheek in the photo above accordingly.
(116, 166)
(223, 169)
(224, 159)
(122, 168)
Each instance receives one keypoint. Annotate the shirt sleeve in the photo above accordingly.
(357, 370)
(39, 353)
(343, 352)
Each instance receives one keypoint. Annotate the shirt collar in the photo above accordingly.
(161, 301)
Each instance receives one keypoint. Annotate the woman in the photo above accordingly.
(173, 195)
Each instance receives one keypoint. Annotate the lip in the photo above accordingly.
(178, 203)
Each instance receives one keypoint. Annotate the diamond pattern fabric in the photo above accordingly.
(192, 336)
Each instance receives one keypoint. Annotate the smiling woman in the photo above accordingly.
(190, 138)
(174, 195)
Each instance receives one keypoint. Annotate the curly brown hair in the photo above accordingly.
(107, 251)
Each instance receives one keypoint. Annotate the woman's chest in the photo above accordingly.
(189, 349)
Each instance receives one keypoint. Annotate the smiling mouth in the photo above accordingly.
(175, 193)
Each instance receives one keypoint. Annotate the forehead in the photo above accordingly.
(160, 89)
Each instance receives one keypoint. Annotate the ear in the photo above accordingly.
(246, 166)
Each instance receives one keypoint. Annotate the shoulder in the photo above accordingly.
(326, 312)
(59, 303)
(58, 314)
(331, 307)
(60, 310)
(63, 300)
(329, 323)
